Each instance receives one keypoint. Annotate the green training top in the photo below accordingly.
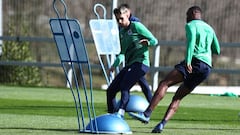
(201, 42)
(131, 50)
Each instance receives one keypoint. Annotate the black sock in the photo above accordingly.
(148, 113)
(163, 122)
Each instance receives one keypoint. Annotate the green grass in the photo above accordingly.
(50, 111)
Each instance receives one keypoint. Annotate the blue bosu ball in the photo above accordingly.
(136, 103)
(109, 124)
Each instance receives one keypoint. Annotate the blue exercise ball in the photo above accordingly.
(109, 124)
(136, 103)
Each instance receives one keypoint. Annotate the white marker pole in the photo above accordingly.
(156, 64)
(114, 5)
(1, 28)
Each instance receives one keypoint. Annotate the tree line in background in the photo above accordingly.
(14, 74)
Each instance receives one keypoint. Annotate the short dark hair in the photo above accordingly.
(194, 9)
(123, 8)
(124, 5)
(116, 11)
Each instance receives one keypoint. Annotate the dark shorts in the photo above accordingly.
(200, 72)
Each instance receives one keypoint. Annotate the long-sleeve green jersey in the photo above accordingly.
(201, 42)
(131, 50)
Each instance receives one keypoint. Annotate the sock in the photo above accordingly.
(148, 112)
(163, 122)
(121, 112)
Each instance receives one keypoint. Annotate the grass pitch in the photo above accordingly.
(50, 111)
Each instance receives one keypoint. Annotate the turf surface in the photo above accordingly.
(49, 111)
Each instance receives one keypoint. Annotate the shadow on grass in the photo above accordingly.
(219, 129)
(200, 129)
(43, 129)
(37, 107)
(207, 120)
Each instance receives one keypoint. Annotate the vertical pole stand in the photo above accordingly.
(73, 55)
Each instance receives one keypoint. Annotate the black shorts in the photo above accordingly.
(200, 71)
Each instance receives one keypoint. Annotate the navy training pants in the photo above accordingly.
(123, 82)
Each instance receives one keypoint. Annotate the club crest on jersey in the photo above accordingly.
(130, 32)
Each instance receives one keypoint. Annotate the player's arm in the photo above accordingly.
(215, 45)
(119, 59)
(149, 38)
(191, 40)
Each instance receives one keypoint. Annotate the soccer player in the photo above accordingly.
(142, 81)
(201, 44)
(135, 39)
(125, 8)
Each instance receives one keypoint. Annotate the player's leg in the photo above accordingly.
(172, 108)
(199, 74)
(145, 88)
(172, 78)
(112, 90)
(131, 77)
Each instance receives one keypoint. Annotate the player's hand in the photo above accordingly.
(111, 69)
(144, 42)
(189, 68)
